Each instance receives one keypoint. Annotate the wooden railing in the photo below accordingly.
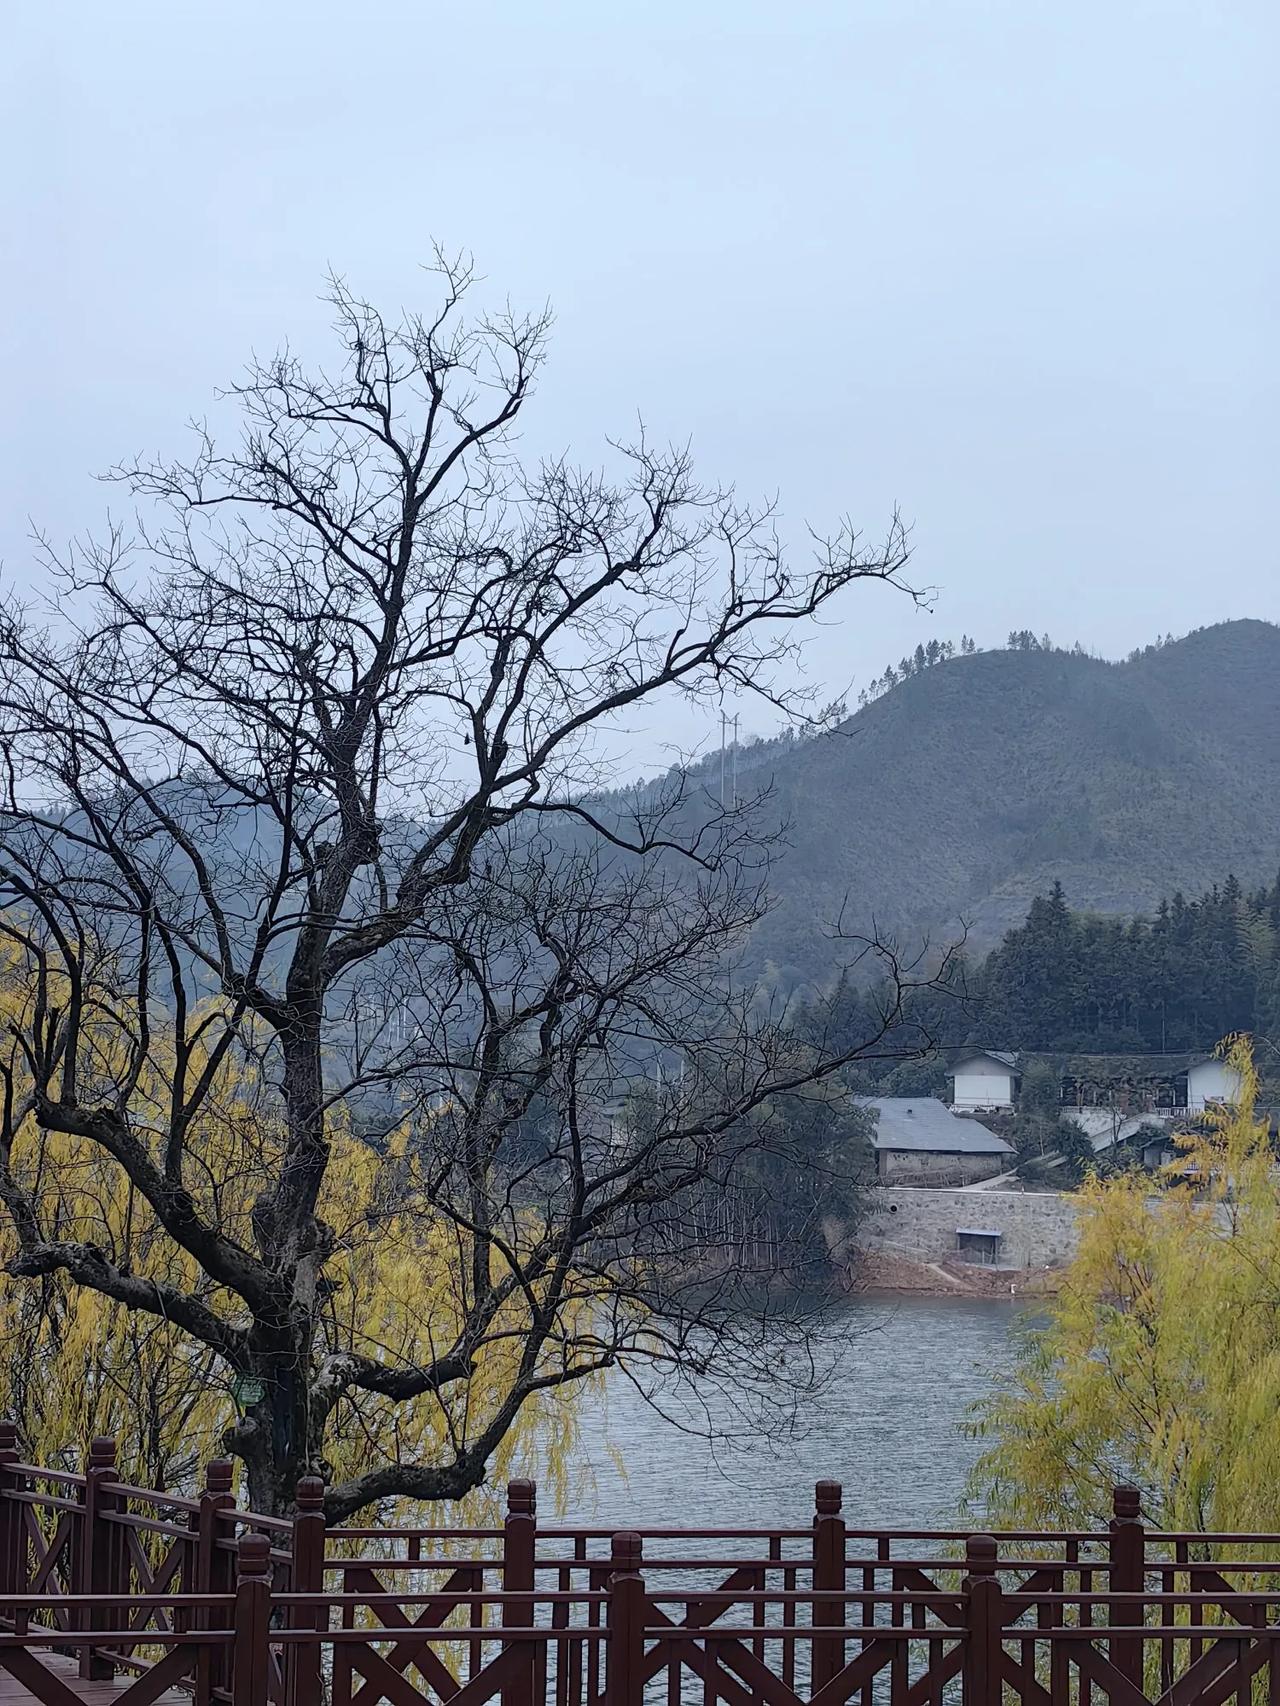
(100, 1580)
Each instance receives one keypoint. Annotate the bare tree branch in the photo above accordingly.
(301, 833)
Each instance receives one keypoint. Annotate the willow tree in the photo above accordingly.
(298, 794)
(1158, 1363)
(78, 1362)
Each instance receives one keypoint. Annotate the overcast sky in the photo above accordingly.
(1011, 266)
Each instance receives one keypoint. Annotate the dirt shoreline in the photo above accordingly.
(885, 1273)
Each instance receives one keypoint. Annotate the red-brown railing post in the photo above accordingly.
(519, 1538)
(1128, 1575)
(625, 1656)
(250, 1649)
(984, 1606)
(13, 1533)
(828, 1578)
(101, 1555)
(214, 1573)
(307, 1576)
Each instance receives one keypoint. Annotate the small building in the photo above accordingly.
(1211, 1081)
(918, 1140)
(1166, 1086)
(985, 1081)
(1158, 1150)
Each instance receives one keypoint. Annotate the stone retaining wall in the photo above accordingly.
(1038, 1228)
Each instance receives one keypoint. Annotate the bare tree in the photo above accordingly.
(300, 786)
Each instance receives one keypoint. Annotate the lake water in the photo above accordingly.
(889, 1429)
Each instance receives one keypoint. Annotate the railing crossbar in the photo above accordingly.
(242, 1608)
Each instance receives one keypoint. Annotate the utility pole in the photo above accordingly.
(728, 762)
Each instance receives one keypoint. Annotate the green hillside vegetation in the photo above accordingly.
(952, 799)
(1067, 984)
(1194, 972)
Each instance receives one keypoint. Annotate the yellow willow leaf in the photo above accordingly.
(76, 1364)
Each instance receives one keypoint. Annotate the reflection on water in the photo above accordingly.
(888, 1429)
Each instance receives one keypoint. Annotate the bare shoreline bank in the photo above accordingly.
(884, 1274)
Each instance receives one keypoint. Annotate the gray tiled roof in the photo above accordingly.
(923, 1122)
(1002, 1055)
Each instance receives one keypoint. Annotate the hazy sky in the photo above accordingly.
(1012, 266)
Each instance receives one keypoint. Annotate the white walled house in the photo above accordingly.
(984, 1080)
(1210, 1081)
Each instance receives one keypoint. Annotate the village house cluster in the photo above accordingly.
(990, 1081)
(922, 1140)
(947, 1171)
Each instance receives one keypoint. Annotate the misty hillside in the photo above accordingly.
(969, 788)
(962, 792)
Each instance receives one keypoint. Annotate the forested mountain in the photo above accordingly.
(974, 781)
(963, 791)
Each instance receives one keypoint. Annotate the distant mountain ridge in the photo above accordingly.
(952, 799)
(964, 791)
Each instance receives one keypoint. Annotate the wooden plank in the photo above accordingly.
(13, 1693)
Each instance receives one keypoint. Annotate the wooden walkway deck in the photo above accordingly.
(66, 1671)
